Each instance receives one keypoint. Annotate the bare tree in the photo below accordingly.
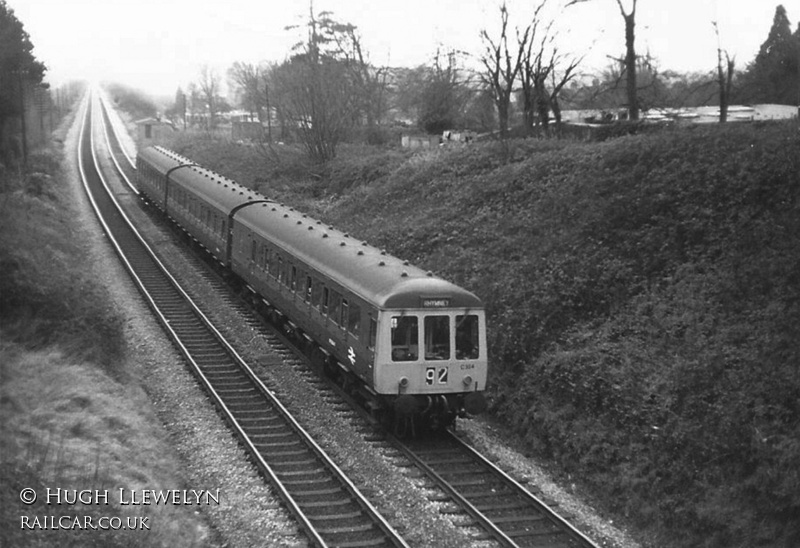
(209, 85)
(245, 80)
(543, 74)
(724, 77)
(502, 68)
(559, 78)
(630, 55)
(533, 73)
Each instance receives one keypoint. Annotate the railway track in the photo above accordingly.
(506, 512)
(327, 506)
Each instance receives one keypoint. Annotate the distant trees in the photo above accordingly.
(533, 62)
(245, 82)
(630, 62)
(502, 65)
(724, 78)
(773, 76)
(327, 87)
(19, 72)
(436, 96)
(209, 88)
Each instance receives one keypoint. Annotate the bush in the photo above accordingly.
(643, 299)
(47, 296)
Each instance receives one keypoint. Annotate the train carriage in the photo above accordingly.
(200, 201)
(411, 343)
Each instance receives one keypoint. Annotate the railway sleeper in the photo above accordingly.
(347, 530)
(342, 516)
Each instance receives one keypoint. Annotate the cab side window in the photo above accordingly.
(467, 341)
(405, 338)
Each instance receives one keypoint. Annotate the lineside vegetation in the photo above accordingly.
(73, 414)
(644, 302)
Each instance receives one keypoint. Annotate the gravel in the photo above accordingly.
(249, 513)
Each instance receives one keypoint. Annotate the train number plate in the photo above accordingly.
(435, 375)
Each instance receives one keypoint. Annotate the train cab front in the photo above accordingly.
(432, 364)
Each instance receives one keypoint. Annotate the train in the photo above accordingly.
(411, 345)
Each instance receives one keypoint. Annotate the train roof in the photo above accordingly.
(225, 194)
(374, 275)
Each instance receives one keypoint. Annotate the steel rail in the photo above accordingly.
(120, 170)
(526, 509)
(549, 513)
(391, 535)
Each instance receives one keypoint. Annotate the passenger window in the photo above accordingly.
(437, 337)
(345, 312)
(308, 289)
(253, 248)
(354, 320)
(325, 299)
(467, 345)
(316, 294)
(405, 339)
(335, 306)
(373, 333)
(293, 281)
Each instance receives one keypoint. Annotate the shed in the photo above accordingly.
(419, 141)
(152, 130)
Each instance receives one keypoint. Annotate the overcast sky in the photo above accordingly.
(159, 45)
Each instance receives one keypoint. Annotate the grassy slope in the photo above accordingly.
(73, 415)
(643, 296)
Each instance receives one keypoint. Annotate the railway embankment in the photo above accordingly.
(644, 302)
(74, 416)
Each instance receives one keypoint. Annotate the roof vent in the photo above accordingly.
(364, 243)
(360, 252)
(342, 244)
(299, 222)
(311, 227)
(346, 235)
(405, 263)
(325, 235)
(383, 252)
(404, 274)
(429, 274)
(285, 215)
(273, 209)
(381, 263)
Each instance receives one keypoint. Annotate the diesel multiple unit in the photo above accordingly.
(412, 344)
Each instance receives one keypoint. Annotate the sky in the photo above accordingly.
(160, 45)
